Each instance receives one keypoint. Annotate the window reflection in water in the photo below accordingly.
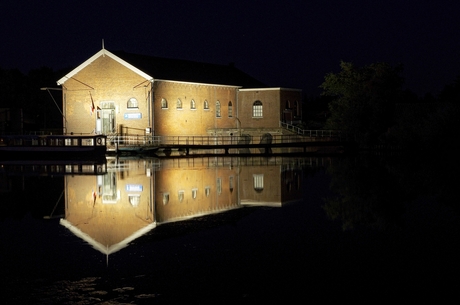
(109, 187)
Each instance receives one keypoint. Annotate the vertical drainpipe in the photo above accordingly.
(151, 108)
(149, 92)
(237, 113)
(64, 110)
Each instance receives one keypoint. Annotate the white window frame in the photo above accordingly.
(257, 109)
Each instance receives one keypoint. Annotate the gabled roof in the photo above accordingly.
(103, 52)
(190, 71)
(151, 67)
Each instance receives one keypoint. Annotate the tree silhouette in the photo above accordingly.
(363, 99)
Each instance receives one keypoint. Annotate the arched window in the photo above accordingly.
(164, 103)
(194, 193)
(230, 109)
(206, 104)
(179, 104)
(165, 198)
(296, 108)
(134, 200)
(218, 109)
(132, 103)
(257, 109)
(192, 104)
(288, 104)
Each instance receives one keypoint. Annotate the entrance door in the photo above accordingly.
(105, 123)
(108, 121)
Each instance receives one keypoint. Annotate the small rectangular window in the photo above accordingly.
(230, 109)
(218, 113)
(258, 182)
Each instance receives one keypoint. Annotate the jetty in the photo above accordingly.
(53, 146)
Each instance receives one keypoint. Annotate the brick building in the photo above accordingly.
(123, 93)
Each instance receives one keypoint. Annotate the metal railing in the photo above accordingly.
(311, 133)
(196, 140)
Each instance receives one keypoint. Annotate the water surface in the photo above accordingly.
(192, 230)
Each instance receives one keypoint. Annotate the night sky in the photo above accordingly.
(290, 43)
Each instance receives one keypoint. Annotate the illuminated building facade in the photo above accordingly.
(122, 93)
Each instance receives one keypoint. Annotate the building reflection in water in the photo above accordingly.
(110, 210)
(136, 195)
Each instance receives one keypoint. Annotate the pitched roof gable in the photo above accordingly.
(151, 67)
(103, 52)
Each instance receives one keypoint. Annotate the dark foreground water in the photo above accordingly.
(362, 229)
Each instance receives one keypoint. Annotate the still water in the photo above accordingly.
(193, 230)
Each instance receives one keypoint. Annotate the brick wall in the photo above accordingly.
(187, 121)
(105, 80)
(274, 102)
(270, 105)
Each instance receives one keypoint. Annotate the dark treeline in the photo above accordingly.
(19, 91)
(371, 106)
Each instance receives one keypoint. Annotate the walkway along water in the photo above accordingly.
(90, 146)
(319, 142)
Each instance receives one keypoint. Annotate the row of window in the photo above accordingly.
(207, 191)
(257, 107)
(181, 194)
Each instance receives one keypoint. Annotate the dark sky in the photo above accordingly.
(290, 43)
